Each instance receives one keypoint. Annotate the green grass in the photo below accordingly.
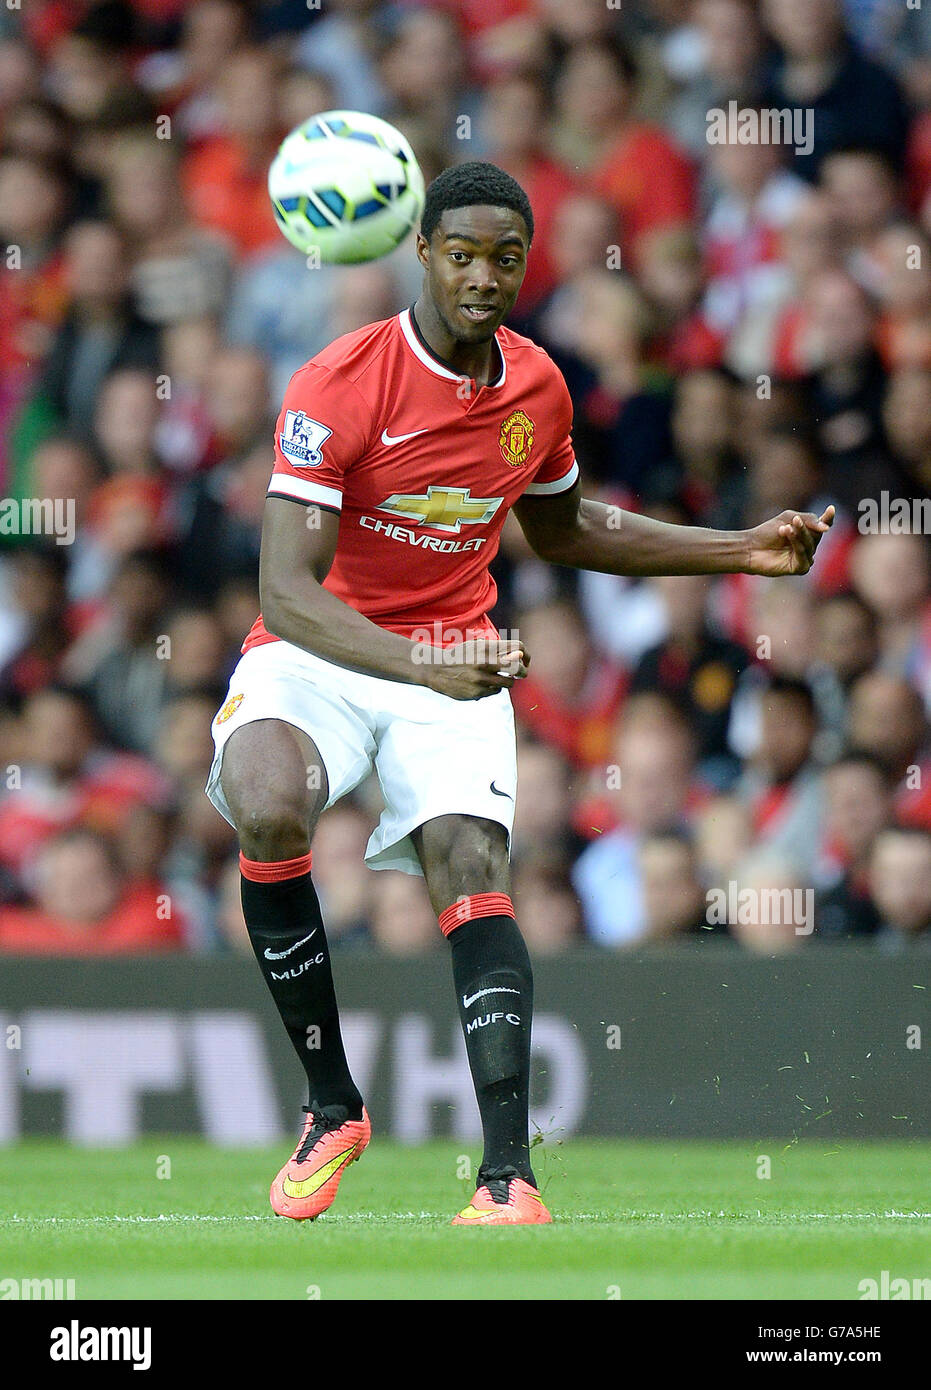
(647, 1220)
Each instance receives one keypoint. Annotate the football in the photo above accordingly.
(346, 187)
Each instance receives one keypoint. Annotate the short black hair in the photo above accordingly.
(467, 185)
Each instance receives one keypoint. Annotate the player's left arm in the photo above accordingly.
(569, 529)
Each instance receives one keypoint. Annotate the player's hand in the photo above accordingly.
(787, 544)
(471, 670)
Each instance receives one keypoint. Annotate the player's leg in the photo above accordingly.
(465, 864)
(275, 786)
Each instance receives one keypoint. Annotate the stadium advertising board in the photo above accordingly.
(703, 1043)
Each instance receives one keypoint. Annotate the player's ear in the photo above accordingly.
(423, 250)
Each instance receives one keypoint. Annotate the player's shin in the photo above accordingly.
(286, 930)
(494, 988)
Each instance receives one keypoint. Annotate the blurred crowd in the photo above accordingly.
(743, 328)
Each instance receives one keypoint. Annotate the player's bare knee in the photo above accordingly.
(273, 796)
(271, 831)
(464, 855)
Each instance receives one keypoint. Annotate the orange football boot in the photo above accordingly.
(504, 1202)
(307, 1183)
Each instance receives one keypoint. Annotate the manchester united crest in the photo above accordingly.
(516, 438)
(229, 709)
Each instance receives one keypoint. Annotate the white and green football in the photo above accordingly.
(345, 186)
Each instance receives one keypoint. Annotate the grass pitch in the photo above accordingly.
(633, 1220)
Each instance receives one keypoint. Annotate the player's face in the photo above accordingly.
(475, 263)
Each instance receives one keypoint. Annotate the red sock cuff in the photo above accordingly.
(274, 873)
(476, 905)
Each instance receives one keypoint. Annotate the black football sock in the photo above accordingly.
(286, 929)
(494, 991)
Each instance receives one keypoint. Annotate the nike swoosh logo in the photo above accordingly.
(496, 792)
(389, 439)
(496, 989)
(471, 1213)
(308, 1186)
(280, 955)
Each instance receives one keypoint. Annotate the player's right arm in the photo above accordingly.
(298, 545)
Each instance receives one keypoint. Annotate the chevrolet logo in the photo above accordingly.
(445, 508)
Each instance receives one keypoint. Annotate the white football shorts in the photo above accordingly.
(434, 756)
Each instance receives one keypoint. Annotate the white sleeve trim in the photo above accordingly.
(562, 484)
(303, 490)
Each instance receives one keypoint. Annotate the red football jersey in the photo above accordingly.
(422, 465)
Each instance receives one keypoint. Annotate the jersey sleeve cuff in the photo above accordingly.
(305, 490)
(562, 484)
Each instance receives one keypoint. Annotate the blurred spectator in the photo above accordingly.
(731, 49)
(781, 786)
(900, 882)
(231, 933)
(901, 886)
(772, 916)
(101, 330)
(345, 885)
(903, 286)
(845, 374)
(33, 202)
(858, 805)
(178, 270)
(756, 198)
(673, 900)
(845, 645)
(862, 187)
(37, 593)
(722, 837)
(570, 698)
(892, 574)
(542, 817)
(852, 100)
(704, 428)
(651, 784)
(673, 281)
(188, 79)
(116, 660)
(83, 905)
(887, 719)
(67, 778)
(547, 907)
(697, 667)
(344, 45)
(622, 411)
(402, 921)
(225, 177)
(635, 166)
(907, 423)
(422, 71)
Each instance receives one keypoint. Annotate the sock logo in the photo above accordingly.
(280, 955)
(296, 971)
(495, 989)
(495, 791)
(479, 1022)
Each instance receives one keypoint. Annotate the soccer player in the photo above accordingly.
(399, 451)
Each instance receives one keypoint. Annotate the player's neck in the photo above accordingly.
(480, 361)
